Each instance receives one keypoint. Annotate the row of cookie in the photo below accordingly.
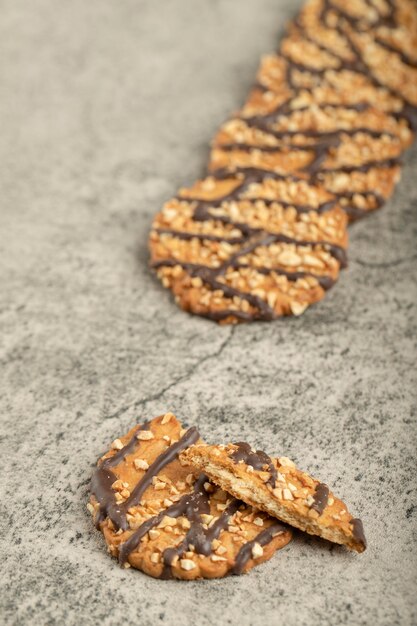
(317, 143)
(327, 107)
(174, 507)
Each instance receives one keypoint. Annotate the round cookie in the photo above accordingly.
(159, 517)
(249, 245)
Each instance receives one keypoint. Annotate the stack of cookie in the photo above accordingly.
(316, 145)
(174, 507)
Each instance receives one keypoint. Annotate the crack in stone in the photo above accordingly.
(384, 264)
(141, 403)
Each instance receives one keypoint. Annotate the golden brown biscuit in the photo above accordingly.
(159, 517)
(279, 488)
(249, 245)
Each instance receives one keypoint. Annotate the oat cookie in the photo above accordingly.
(278, 487)
(249, 245)
(168, 521)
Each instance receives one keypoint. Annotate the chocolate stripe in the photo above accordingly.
(257, 459)
(321, 496)
(263, 538)
(192, 505)
(324, 281)
(358, 532)
(103, 478)
(190, 437)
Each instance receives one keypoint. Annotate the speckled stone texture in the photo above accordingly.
(106, 108)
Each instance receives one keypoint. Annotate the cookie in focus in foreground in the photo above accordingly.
(159, 517)
(279, 488)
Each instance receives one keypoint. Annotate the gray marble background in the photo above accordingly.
(106, 108)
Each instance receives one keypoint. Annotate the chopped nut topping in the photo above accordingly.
(208, 487)
(185, 523)
(155, 557)
(187, 564)
(167, 521)
(309, 500)
(117, 444)
(189, 479)
(215, 558)
(257, 550)
(283, 460)
(141, 464)
(264, 476)
(159, 486)
(258, 521)
(153, 533)
(221, 550)
(233, 529)
(144, 435)
(206, 518)
(167, 418)
(287, 495)
(277, 493)
(90, 508)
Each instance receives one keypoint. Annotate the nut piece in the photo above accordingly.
(141, 464)
(187, 564)
(167, 418)
(257, 550)
(287, 495)
(154, 534)
(215, 558)
(117, 445)
(144, 435)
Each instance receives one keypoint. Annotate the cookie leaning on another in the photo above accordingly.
(279, 488)
(159, 517)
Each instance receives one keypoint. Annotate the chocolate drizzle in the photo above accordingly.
(257, 459)
(321, 496)
(192, 506)
(263, 538)
(103, 478)
(358, 532)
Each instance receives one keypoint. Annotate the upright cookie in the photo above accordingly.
(250, 245)
(159, 517)
(277, 487)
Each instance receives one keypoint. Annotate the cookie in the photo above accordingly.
(251, 245)
(330, 117)
(381, 43)
(159, 517)
(279, 488)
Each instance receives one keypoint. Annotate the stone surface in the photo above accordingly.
(106, 108)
